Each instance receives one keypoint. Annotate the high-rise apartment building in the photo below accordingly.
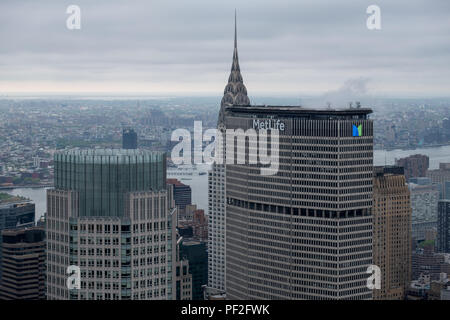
(443, 226)
(235, 93)
(23, 264)
(111, 214)
(415, 165)
(304, 232)
(391, 232)
(129, 139)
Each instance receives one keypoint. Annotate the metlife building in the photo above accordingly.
(304, 232)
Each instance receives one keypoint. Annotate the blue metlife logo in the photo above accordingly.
(357, 130)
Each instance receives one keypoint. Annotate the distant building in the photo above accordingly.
(447, 190)
(424, 200)
(439, 177)
(415, 165)
(391, 233)
(436, 287)
(36, 162)
(129, 139)
(185, 231)
(419, 288)
(196, 253)
(213, 293)
(183, 276)
(425, 288)
(443, 226)
(23, 264)
(426, 261)
(182, 194)
(15, 214)
(193, 224)
(422, 181)
(200, 224)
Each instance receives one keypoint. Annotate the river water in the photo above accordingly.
(199, 183)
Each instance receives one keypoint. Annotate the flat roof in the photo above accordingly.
(298, 111)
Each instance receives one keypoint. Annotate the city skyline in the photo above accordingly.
(333, 177)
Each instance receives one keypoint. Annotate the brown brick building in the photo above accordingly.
(391, 232)
(415, 165)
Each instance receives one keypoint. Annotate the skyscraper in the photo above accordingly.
(15, 213)
(23, 264)
(129, 139)
(111, 215)
(195, 252)
(391, 232)
(182, 193)
(235, 93)
(443, 226)
(306, 231)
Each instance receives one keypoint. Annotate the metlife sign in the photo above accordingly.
(269, 124)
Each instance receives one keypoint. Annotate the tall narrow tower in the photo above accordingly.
(235, 93)
(392, 232)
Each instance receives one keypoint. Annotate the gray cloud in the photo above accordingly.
(285, 47)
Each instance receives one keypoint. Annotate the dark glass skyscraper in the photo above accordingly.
(443, 226)
(195, 252)
(23, 264)
(182, 193)
(129, 139)
(13, 215)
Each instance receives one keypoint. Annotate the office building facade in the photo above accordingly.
(443, 226)
(306, 231)
(15, 214)
(196, 253)
(110, 214)
(23, 264)
(391, 233)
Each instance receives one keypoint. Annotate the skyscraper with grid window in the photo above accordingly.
(304, 232)
(111, 215)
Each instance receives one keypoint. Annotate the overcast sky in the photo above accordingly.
(291, 48)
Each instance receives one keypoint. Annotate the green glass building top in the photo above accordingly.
(102, 177)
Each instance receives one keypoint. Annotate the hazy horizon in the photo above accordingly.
(183, 48)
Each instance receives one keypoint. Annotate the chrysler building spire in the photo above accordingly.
(235, 92)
